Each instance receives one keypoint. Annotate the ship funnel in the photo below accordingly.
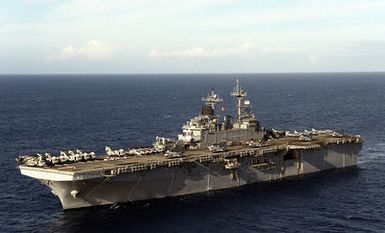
(207, 110)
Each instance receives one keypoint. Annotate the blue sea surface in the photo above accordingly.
(41, 113)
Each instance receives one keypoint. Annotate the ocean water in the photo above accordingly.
(54, 112)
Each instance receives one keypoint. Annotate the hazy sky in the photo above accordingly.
(173, 36)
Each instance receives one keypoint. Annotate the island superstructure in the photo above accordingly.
(209, 154)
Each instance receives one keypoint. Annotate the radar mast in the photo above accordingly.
(212, 99)
(239, 94)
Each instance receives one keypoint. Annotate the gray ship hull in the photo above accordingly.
(196, 177)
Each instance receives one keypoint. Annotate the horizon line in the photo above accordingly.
(197, 73)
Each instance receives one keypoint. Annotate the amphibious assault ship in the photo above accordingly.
(209, 154)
